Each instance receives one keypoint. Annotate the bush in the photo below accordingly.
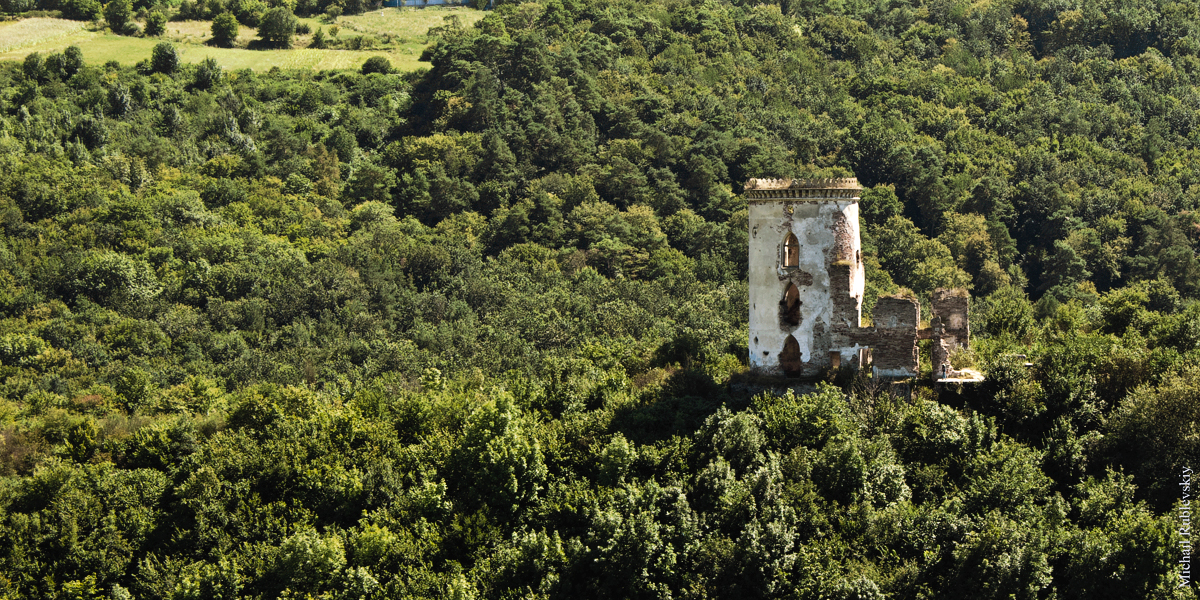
(248, 12)
(303, 29)
(34, 67)
(107, 276)
(277, 27)
(17, 6)
(118, 14)
(156, 23)
(81, 10)
(91, 132)
(224, 29)
(165, 58)
(377, 64)
(72, 60)
(208, 74)
(318, 39)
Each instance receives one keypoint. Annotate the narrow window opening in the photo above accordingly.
(791, 251)
(864, 358)
(835, 359)
(791, 305)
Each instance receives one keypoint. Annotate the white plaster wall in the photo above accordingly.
(813, 224)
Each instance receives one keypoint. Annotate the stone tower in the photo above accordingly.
(806, 273)
(806, 290)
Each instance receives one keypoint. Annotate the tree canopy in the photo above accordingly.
(480, 330)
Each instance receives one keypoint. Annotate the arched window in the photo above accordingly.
(791, 305)
(791, 251)
(790, 360)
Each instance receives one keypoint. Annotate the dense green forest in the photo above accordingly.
(479, 331)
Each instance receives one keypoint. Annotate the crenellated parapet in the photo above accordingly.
(830, 188)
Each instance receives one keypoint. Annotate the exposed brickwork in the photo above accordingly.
(950, 328)
(893, 338)
(846, 308)
(894, 312)
(843, 235)
(895, 348)
(798, 276)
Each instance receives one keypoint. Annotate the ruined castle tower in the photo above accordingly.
(806, 290)
(806, 272)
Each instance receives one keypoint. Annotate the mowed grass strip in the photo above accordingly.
(30, 32)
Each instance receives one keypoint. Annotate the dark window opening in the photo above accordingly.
(791, 251)
(791, 305)
(790, 360)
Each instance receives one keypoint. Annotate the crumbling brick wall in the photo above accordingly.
(895, 349)
(892, 340)
(950, 328)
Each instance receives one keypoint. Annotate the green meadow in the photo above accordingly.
(396, 34)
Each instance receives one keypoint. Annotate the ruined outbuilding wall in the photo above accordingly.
(896, 321)
(950, 328)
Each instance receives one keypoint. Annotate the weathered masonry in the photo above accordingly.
(806, 289)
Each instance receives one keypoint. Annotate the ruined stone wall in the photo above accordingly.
(950, 328)
(891, 341)
(895, 347)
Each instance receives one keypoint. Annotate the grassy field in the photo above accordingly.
(397, 34)
(15, 35)
(407, 23)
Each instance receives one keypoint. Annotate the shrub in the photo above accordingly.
(377, 64)
(249, 12)
(318, 39)
(107, 276)
(165, 58)
(224, 29)
(72, 60)
(303, 28)
(52, 67)
(34, 67)
(208, 74)
(17, 6)
(156, 23)
(81, 10)
(277, 27)
(118, 14)
(91, 132)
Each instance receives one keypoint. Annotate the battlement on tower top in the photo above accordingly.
(833, 188)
